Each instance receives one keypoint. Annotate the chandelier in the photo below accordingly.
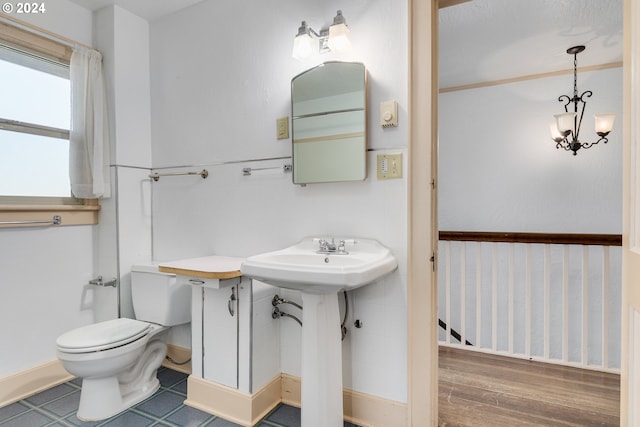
(566, 130)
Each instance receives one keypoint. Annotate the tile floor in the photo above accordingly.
(58, 406)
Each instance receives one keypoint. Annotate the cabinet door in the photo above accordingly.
(220, 340)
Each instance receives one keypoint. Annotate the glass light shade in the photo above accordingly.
(565, 121)
(555, 133)
(339, 37)
(604, 123)
(302, 47)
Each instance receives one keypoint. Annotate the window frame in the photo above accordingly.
(16, 208)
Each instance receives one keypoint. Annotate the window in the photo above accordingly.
(35, 117)
(34, 125)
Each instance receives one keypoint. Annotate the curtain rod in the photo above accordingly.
(41, 32)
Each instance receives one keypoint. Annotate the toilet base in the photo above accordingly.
(105, 397)
(100, 398)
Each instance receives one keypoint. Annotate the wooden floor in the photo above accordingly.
(477, 389)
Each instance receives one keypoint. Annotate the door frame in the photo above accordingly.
(630, 371)
(422, 375)
(422, 237)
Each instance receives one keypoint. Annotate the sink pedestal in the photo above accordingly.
(320, 275)
(321, 361)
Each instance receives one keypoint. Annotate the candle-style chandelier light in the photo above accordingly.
(566, 130)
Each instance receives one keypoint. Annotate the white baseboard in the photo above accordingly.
(233, 405)
(31, 381)
(248, 409)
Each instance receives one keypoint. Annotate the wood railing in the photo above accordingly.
(550, 297)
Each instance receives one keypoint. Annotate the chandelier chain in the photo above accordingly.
(575, 75)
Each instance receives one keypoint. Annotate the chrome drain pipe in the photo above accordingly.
(276, 313)
(277, 300)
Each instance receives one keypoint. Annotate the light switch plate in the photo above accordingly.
(389, 166)
(282, 126)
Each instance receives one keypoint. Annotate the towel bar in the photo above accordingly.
(56, 220)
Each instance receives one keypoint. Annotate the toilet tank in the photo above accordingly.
(158, 298)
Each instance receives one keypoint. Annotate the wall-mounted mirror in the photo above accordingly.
(329, 123)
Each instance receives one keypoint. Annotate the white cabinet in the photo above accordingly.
(216, 330)
(220, 340)
(223, 311)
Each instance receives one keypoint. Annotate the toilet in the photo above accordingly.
(118, 359)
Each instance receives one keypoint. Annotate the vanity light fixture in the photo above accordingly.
(334, 38)
(566, 130)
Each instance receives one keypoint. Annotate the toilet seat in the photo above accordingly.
(102, 336)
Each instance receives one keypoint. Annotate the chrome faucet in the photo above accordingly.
(326, 247)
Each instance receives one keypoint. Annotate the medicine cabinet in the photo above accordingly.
(329, 123)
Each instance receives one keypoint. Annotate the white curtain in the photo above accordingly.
(89, 136)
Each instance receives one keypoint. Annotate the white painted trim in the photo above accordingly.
(530, 77)
(248, 409)
(26, 383)
(634, 358)
(231, 404)
(422, 235)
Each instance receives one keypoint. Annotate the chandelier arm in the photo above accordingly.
(562, 98)
(585, 94)
(578, 119)
(602, 139)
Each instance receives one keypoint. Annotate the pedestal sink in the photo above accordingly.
(320, 268)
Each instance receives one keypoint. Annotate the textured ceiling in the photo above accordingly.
(487, 40)
(147, 9)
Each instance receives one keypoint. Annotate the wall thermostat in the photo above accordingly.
(389, 114)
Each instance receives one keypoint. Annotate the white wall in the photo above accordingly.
(220, 76)
(499, 170)
(44, 271)
(123, 39)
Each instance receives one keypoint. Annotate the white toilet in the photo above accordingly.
(118, 359)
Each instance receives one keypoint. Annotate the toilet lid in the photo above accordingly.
(102, 336)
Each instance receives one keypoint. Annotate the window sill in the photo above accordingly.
(70, 214)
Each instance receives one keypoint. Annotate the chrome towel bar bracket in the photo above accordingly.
(99, 282)
(284, 168)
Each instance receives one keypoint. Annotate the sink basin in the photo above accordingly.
(301, 267)
(320, 276)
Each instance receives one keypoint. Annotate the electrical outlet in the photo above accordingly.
(389, 166)
(282, 126)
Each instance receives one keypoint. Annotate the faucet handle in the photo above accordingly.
(322, 244)
(342, 245)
